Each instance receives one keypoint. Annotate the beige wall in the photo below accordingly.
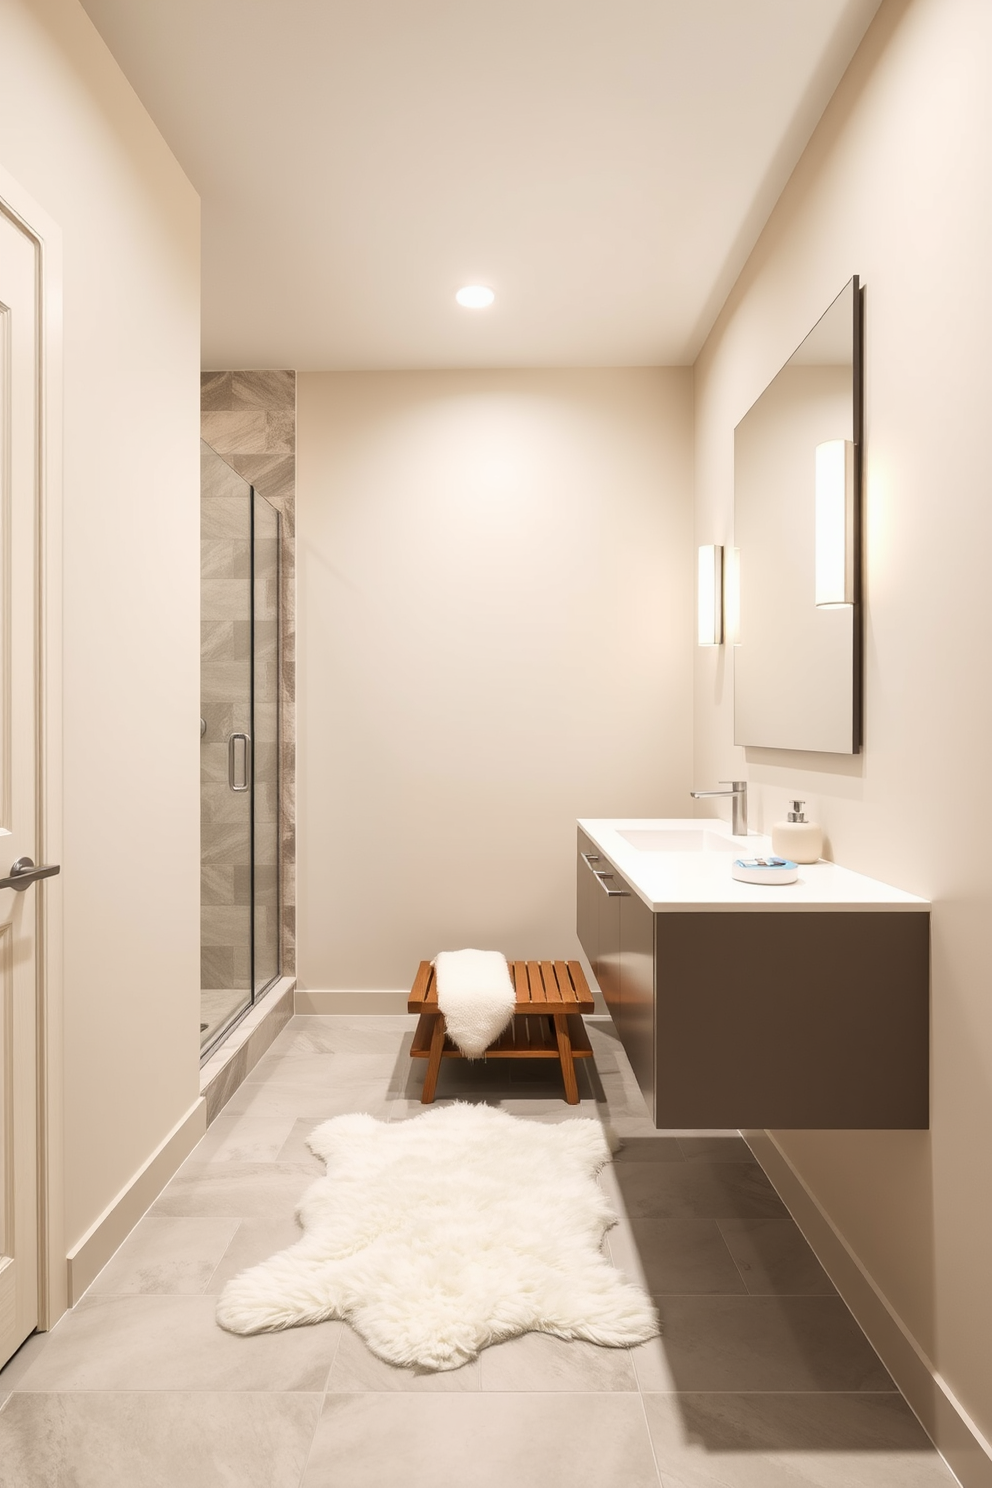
(895, 186)
(74, 136)
(494, 638)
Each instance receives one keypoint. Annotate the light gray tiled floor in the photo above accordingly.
(760, 1380)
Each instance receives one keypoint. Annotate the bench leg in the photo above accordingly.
(565, 1056)
(433, 1061)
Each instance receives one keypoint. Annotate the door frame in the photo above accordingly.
(36, 224)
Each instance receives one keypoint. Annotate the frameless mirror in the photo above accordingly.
(797, 523)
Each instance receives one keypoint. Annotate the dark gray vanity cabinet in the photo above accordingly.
(803, 1019)
(617, 933)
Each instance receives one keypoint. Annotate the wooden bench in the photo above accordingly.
(547, 1022)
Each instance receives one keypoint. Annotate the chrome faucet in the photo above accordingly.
(738, 794)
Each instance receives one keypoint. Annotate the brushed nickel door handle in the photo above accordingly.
(23, 873)
(232, 770)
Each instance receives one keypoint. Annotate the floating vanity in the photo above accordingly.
(744, 1005)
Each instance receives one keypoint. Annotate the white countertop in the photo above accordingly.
(700, 880)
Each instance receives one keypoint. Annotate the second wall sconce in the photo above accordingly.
(709, 595)
(834, 523)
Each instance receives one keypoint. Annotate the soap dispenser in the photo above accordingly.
(797, 838)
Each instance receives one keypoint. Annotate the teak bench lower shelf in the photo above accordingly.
(547, 1024)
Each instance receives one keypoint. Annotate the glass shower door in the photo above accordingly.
(225, 746)
(265, 733)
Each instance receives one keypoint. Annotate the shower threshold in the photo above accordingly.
(218, 1005)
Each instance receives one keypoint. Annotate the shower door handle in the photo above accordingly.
(24, 872)
(232, 762)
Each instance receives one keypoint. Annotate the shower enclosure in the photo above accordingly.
(239, 748)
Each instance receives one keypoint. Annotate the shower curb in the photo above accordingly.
(231, 1062)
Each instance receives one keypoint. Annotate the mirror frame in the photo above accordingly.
(858, 425)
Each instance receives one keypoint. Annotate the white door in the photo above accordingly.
(19, 783)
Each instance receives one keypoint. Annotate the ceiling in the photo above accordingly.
(604, 165)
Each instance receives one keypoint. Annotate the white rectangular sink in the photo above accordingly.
(677, 839)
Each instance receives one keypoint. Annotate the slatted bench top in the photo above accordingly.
(541, 987)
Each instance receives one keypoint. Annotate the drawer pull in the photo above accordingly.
(589, 859)
(613, 893)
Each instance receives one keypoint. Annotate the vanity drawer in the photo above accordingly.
(816, 1021)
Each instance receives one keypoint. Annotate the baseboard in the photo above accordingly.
(309, 1000)
(946, 1422)
(90, 1254)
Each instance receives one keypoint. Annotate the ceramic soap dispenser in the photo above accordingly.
(797, 838)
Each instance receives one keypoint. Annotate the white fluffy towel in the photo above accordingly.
(475, 993)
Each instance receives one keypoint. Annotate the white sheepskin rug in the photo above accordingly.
(437, 1236)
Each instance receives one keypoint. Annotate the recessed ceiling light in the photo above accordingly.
(475, 296)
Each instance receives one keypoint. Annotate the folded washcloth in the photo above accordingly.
(475, 994)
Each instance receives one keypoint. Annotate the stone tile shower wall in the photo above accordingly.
(249, 418)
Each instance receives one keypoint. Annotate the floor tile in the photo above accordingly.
(254, 1241)
(513, 1102)
(651, 1365)
(490, 1440)
(356, 1370)
(767, 1343)
(716, 1149)
(694, 1190)
(606, 1047)
(623, 1094)
(772, 1256)
(246, 1138)
(529, 1109)
(497, 1079)
(174, 1343)
(295, 1150)
(609, 1182)
(554, 1106)
(326, 1068)
(238, 1190)
(539, 1362)
(160, 1440)
(16, 1367)
(294, 1100)
(167, 1254)
(626, 1124)
(457, 1077)
(339, 1034)
(675, 1255)
(791, 1441)
(650, 1149)
(709, 1132)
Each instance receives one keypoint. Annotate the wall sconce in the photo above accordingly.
(834, 523)
(709, 595)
